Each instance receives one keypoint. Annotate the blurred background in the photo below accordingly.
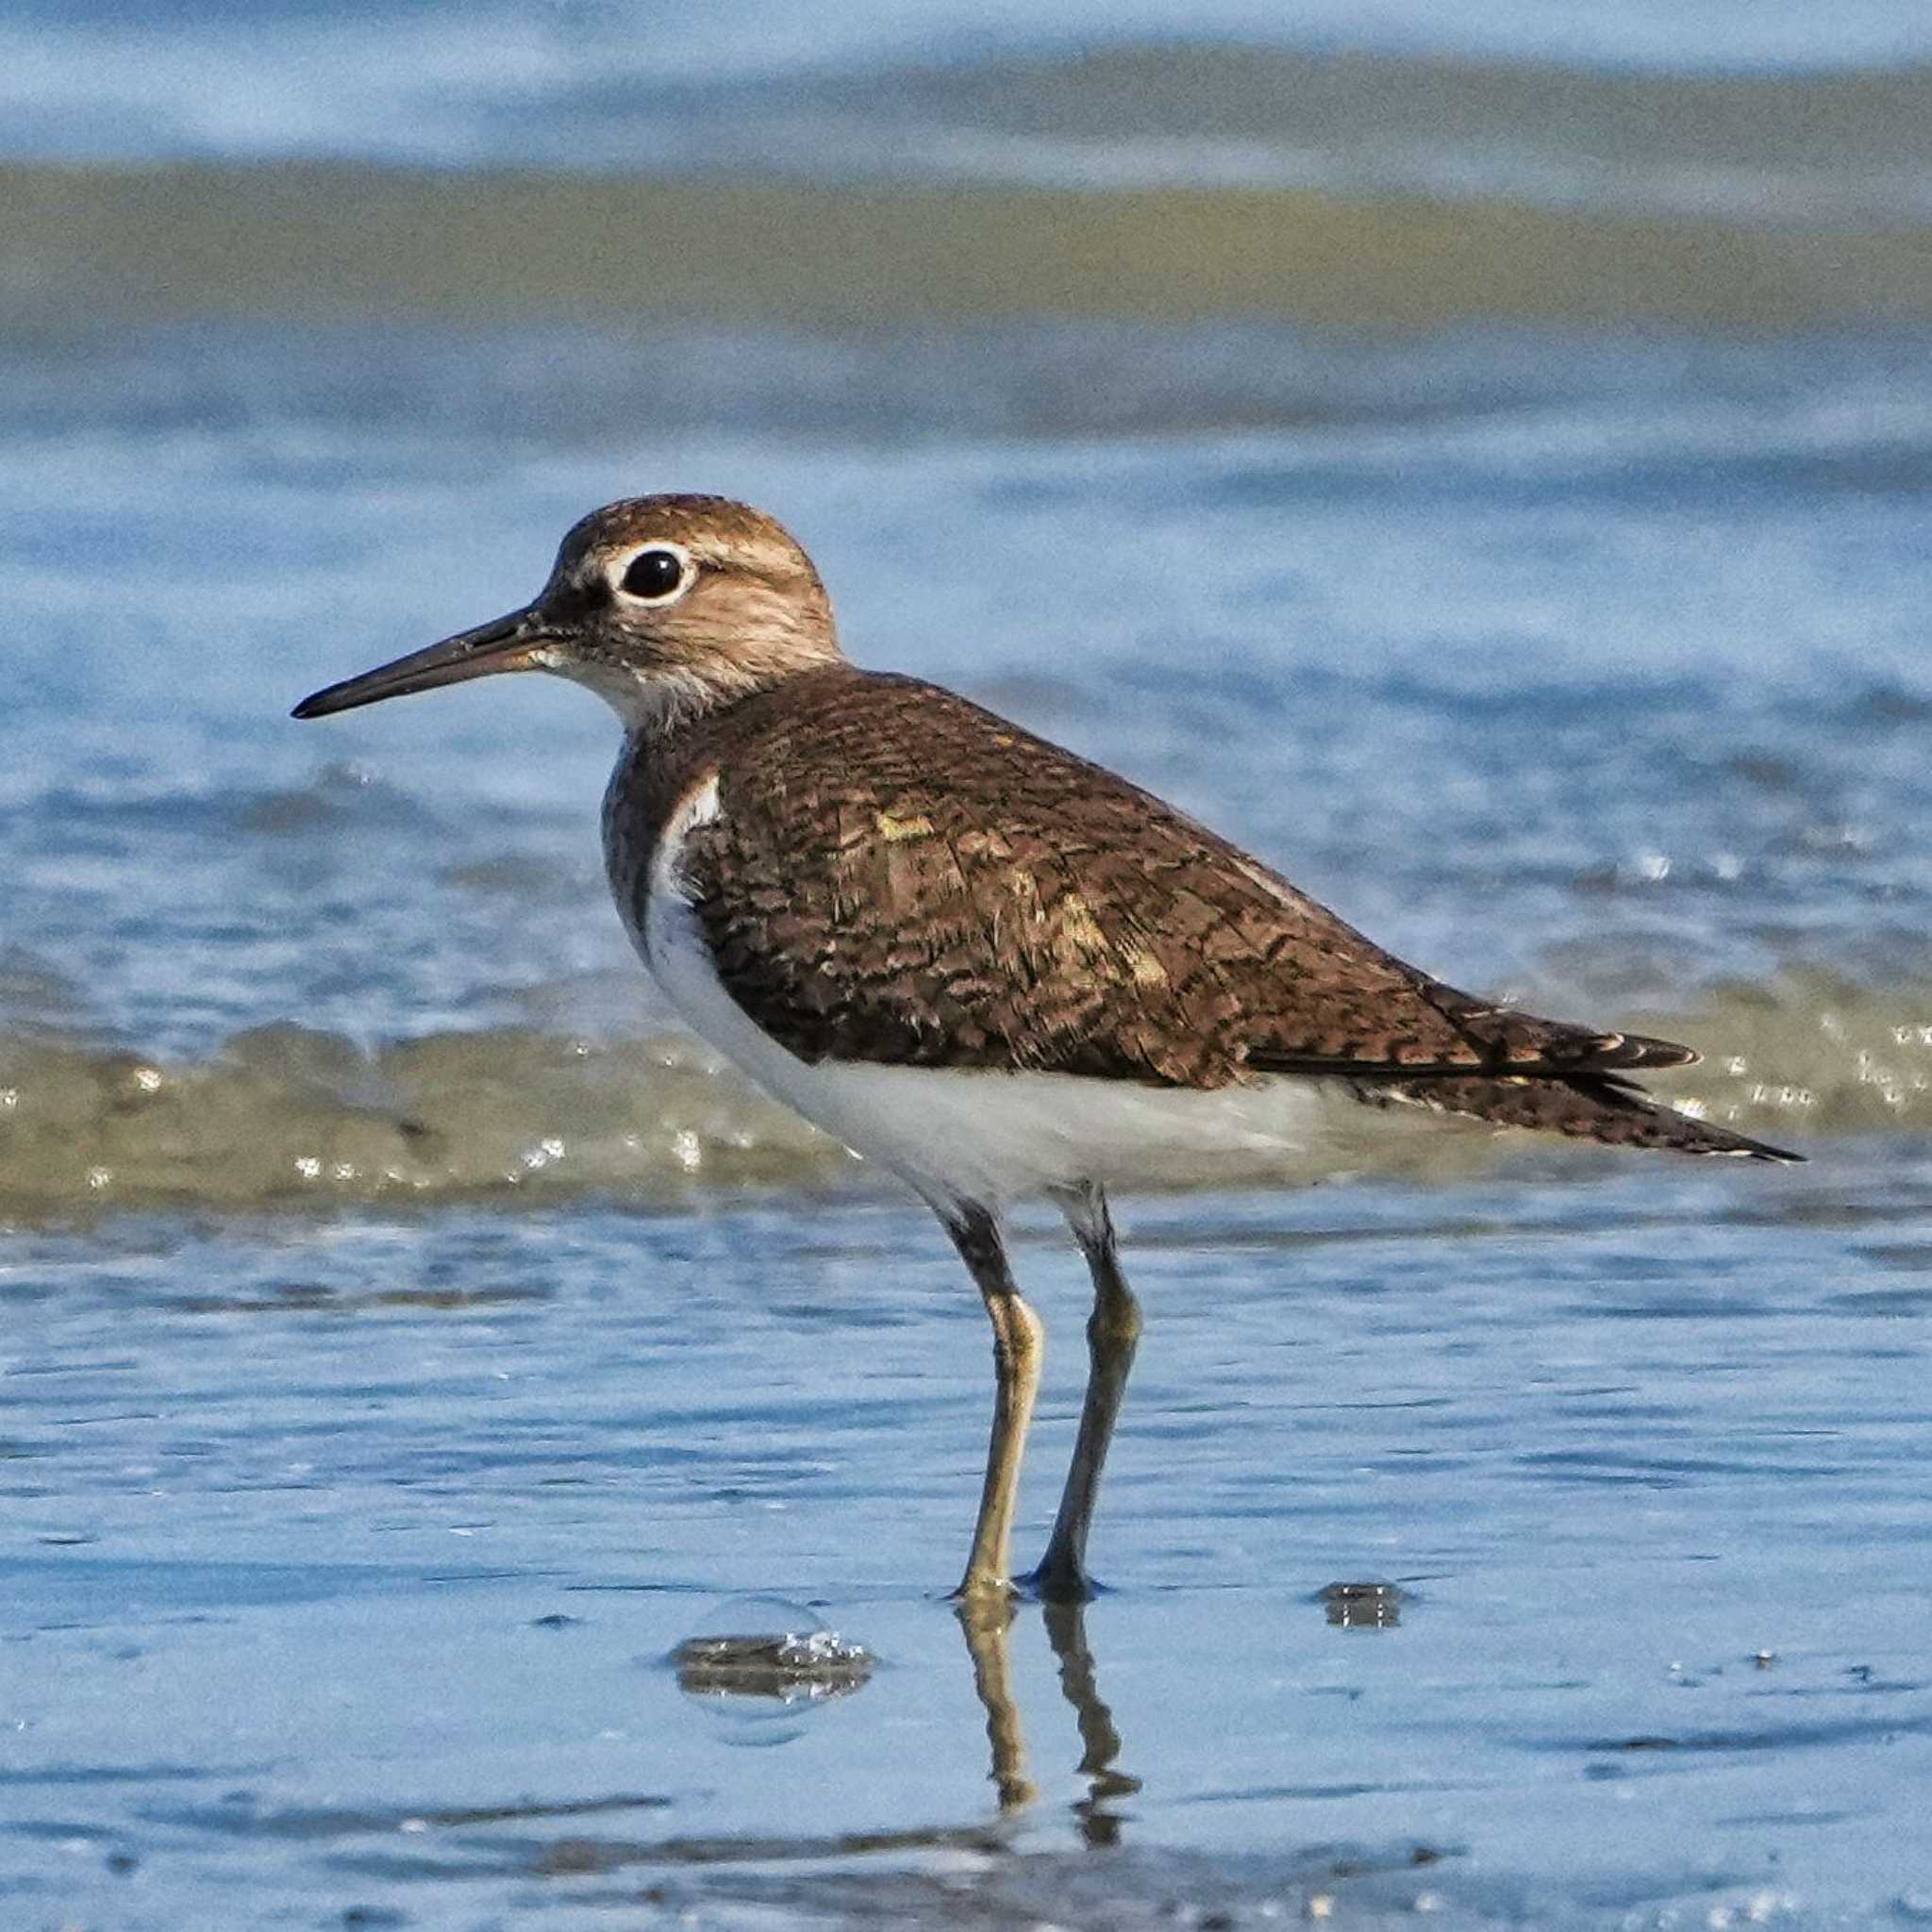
(1476, 453)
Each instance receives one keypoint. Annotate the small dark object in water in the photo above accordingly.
(789, 1666)
(1362, 1605)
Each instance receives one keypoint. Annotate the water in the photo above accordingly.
(348, 1557)
(1493, 490)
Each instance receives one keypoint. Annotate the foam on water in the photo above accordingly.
(285, 1118)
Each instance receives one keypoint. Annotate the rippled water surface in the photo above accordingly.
(349, 1554)
(1496, 491)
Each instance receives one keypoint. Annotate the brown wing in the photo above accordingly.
(896, 875)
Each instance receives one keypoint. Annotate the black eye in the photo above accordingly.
(653, 573)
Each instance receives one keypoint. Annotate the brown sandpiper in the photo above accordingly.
(990, 966)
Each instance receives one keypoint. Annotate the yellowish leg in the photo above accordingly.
(1113, 1331)
(1018, 1343)
(986, 1623)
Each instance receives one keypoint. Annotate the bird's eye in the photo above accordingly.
(654, 575)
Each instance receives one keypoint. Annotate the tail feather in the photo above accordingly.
(1585, 1107)
(1629, 1050)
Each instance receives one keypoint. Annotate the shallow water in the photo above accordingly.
(408, 1340)
(350, 1554)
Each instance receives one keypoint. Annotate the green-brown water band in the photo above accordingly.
(349, 242)
(284, 1115)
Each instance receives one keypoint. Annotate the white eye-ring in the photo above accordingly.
(657, 573)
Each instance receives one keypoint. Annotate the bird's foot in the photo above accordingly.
(984, 1597)
(1060, 1580)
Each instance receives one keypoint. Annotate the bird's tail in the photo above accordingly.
(1585, 1107)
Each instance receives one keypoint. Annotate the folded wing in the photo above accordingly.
(896, 875)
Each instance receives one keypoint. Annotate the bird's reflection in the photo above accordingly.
(804, 1665)
(1066, 1630)
(989, 1639)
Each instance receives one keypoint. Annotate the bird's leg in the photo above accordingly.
(1112, 1331)
(1018, 1341)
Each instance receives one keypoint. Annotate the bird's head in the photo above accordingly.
(664, 606)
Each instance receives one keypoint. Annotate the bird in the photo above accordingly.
(992, 967)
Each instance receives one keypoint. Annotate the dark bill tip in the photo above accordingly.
(506, 644)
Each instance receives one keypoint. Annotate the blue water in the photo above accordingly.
(348, 1557)
(598, 81)
(408, 1337)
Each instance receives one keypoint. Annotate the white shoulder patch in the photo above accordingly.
(670, 882)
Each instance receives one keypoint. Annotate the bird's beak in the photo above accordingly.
(506, 644)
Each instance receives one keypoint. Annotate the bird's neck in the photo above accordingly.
(671, 746)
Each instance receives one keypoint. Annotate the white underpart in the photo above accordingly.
(974, 1135)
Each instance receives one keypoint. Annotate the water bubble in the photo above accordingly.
(763, 1656)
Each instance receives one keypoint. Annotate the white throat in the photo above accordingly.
(649, 703)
